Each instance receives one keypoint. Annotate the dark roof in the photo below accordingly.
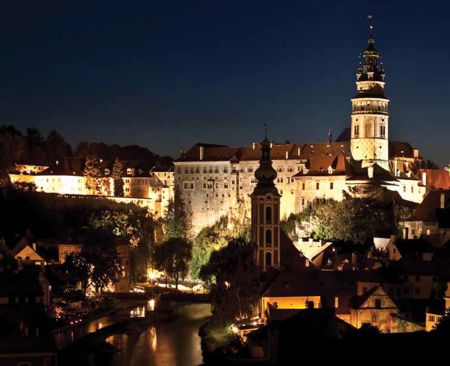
(414, 247)
(400, 149)
(428, 210)
(311, 323)
(25, 282)
(358, 172)
(345, 135)
(210, 153)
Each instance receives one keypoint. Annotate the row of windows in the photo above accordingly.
(216, 170)
(368, 131)
(318, 185)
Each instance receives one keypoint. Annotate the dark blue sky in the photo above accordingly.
(166, 74)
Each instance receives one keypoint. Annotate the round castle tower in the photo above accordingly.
(370, 117)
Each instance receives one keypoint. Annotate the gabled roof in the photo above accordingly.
(359, 301)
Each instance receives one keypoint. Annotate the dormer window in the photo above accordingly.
(330, 170)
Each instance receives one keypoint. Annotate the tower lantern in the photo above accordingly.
(370, 116)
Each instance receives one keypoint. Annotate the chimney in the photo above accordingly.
(271, 144)
(202, 152)
(442, 204)
(253, 146)
(34, 246)
(370, 171)
(287, 154)
(298, 151)
(424, 178)
(396, 168)
(416, 153)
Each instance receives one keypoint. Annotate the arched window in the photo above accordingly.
(268, 259)
(268, 237)
(268, 215)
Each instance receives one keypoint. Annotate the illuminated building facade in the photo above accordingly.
(151, 188)
(214, 179)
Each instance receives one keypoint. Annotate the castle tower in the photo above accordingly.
(265, 225)
(370, 117)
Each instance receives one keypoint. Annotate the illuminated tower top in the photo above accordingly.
(371, 67)
(370, 116)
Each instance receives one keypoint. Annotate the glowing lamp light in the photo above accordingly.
(151, 304)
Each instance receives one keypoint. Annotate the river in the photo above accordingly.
(172, 343)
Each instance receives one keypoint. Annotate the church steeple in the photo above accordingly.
(265, 226)
(265, 174)
(370, 116)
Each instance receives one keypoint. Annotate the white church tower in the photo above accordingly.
(370, 117)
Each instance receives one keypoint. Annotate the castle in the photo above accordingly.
(213, 180)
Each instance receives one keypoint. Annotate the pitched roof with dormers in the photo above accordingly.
(325, 165)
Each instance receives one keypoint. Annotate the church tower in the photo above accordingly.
(370, 117)
(265, 225)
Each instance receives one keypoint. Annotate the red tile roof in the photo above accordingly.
(436, 178)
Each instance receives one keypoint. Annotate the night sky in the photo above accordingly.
(167, 74)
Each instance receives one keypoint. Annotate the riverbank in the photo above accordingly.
(156, 340)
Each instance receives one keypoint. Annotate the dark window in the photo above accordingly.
(268, 259)
(268, 215)
(268, 237)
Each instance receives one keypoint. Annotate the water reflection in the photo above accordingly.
(175, 342)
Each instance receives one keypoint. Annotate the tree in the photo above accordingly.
(77, 267)
(116, 175)
(215, 237)
(56, 147)
(105, 266)
(97, 264)
(92, 172)
(172, 257)
(353, 219)
(236, 292)
(443, 327)
(176, 222)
